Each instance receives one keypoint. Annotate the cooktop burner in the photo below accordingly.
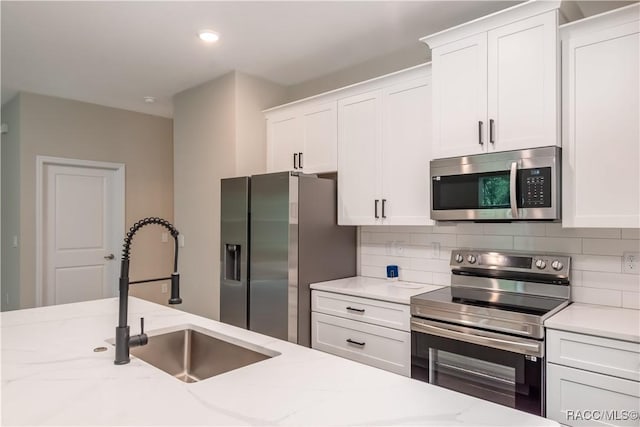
(518, 303)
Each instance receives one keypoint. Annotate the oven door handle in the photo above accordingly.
(512, 344)
(513, 174)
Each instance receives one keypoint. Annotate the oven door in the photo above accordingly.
(500, 368)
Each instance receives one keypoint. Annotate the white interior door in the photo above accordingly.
(82, 212)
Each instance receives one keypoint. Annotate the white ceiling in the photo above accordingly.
(115, 53)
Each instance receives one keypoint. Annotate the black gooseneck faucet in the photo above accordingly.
(123, 340)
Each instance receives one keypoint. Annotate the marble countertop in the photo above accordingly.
(599, 320)
(52, 376)
(380, 289)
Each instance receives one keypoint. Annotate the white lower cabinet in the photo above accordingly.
(578, 398)
(592, 380)
(350, 327)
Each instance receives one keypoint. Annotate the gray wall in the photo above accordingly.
(415, 54)
(10, 280)
(59, 127)
(219, 132)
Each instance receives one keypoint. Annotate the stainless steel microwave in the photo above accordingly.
(521, 185)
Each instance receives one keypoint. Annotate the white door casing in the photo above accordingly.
(80, 223)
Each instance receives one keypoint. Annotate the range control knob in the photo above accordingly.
(541, 264)
(471, 259)
(557, 265)
(459, 258)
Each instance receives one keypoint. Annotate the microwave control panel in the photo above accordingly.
(535, 188)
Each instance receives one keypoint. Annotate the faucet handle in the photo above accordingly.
(141, 325)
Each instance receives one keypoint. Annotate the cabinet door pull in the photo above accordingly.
(300, 160)
(376, 209)
(295, 160)
(480, 124)
(383, 203)
(357, 310)
(491, 125)
(350, 341)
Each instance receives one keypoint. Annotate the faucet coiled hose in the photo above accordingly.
(126, 247)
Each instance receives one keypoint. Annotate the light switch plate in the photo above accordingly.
(631, 262)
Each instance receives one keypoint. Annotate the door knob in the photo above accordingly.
(110, 256)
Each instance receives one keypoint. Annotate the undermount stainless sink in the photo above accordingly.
(190, 355)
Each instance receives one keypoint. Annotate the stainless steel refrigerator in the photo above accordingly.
(278, 235)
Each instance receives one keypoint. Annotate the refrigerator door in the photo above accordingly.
(234, 251)
(326, 250)
(273, 292)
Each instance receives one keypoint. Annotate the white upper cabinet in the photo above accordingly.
(284, 138)
(303, 137)
(406, 152)
(384, 150)
(360, 137)
(460, 97)
(495, 82)
(522, 87)
(320, 135)
(601, 120)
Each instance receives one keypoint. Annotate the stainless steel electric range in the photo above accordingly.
(484, 335)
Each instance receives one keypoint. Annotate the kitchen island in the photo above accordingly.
(52, 376)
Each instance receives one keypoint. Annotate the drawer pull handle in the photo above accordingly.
(350, 341)
(357, 310)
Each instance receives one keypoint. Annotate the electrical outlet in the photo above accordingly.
(14, 242)
(181, 240)
(164, 238)
(165, 288)
(630, 262)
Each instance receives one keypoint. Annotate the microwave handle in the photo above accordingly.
(512, 189)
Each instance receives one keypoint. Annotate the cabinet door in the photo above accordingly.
(460, 97)
(601, 178)
(522, 84)
(406, 152)
(284, 138)
(320, 132)
(359, 138)
(574, 395)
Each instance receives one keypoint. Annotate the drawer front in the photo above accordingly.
(372, 345)
(596, 354)
(383, 313)
(580, 398)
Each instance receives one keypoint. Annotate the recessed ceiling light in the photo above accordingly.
(149, 99)
(208, 36)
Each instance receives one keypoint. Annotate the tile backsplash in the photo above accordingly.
(422, 254)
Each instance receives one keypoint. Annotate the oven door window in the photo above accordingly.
(472, 191)
(500, 376)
